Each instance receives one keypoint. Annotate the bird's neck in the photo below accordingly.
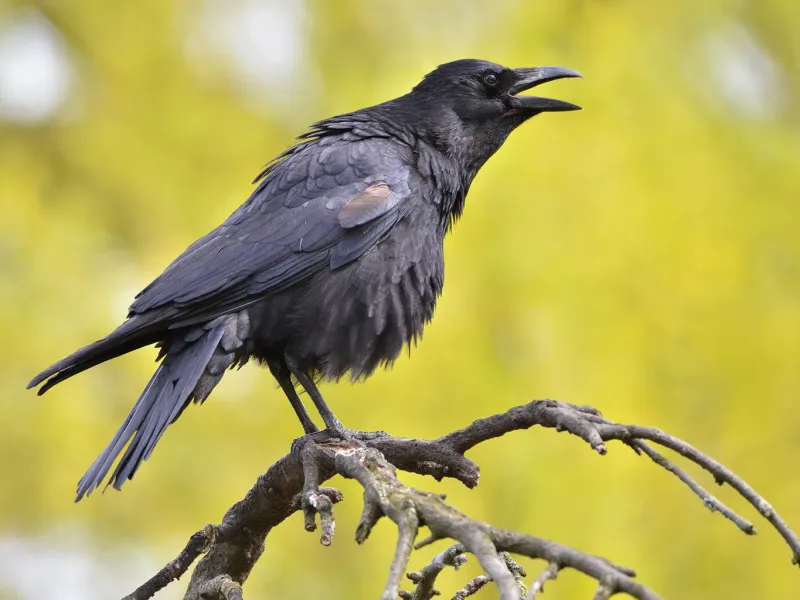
(435, 125)
(449, 152)
(450, 179)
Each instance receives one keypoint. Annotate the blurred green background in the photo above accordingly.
(642, 256)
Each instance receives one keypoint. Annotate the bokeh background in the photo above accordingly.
(642, 256)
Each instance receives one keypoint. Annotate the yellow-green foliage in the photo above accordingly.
(642, 256)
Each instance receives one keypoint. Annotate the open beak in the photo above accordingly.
(530, 105)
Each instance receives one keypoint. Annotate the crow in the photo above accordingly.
(331, 266)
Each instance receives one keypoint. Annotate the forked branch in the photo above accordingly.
(293, 483)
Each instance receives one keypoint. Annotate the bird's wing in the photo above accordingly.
(320, 207)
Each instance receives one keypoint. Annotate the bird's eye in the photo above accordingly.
(491, 80)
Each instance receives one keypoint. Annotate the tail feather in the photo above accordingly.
(135, 333)
(164, 397)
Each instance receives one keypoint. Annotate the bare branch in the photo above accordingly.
(173, 570)
(720, 472)
(588, 424)
(370, 515)
(603, 592)
(479, 542)
(377, 476)
(710, 501)
(472, 587)
(293, 483)
(221, 587)
(476, 583)
(407, 523)
(425, 578)
(431, 538)
(313, 501)
(619, 579)
(551, 572)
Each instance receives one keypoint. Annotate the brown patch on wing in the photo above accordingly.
(371, 203)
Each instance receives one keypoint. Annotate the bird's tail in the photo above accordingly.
(135, 333)
(176, 381)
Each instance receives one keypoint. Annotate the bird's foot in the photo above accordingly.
(339, 433)
(365, 436)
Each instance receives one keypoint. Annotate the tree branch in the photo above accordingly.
(196, 545)
(424, 579)
(293, 483)
(587, 423)
(551, 572)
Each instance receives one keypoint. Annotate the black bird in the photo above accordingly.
(330, 267)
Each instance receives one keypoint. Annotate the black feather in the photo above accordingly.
(331, 266)
(167, 393)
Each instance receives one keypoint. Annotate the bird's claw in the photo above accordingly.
(340, 433)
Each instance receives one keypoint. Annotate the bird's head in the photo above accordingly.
(478, 103)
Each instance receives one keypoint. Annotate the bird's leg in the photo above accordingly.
(283, 376)
(332, 424)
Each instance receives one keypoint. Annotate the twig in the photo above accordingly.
(603, 592)
(710, 501)
(618, 578)
(312, 501)
(407, 523)
(454, 557)
(472, 587)
(478, 540)
(239, 539)
(551, 572)
(721, 475)
(222, 587)
(426, 577)
(197, 544)
(476, 583)
(369, 518)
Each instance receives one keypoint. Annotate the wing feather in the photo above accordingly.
(319, 207)
(374, 201)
